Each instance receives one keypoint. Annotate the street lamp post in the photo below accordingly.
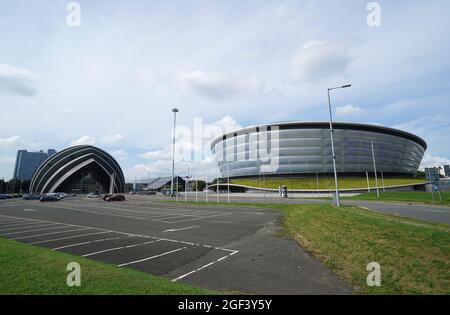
(175, 111)
(368, 183)
(228, 182)
(375, 170)
(186, 183)
(338, 203)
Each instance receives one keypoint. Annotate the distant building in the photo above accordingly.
(447, 170)
(50, 152)
(164, 183)
(79, 169)
(432, 174)
(28, 162)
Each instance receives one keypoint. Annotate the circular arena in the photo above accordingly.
(79, 169)
(297, 149)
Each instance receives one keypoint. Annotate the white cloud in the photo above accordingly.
(227, 123)
(88, 140)
(205, 169)
(433, 160)
(120, 155)
(221, 87)
(349, 110)
(14, 141)
(113, 140)
(161, 160)
(317, 60)
(157, 155)
(17, 81)
(426, 124)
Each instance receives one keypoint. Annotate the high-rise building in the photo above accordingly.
(28, 162)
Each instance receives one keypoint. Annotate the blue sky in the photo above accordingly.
(113, 80)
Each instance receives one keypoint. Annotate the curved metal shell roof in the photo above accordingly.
(60, 166)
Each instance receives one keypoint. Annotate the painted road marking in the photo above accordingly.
(67, 237)
(200, 218)
(27, 226)
(27, 231)
(204, 266)
(117, 248)
(182, 229)
(88, 242)
(10, 220)
(153, 257)
(103, 231)
(165, 220)
(36, 235)
(27, 222)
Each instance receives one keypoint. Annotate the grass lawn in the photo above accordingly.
(408, 196)
(26, 269)
(324, 183)
(414, 255)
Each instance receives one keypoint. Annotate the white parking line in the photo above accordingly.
(67, 237)
(88, 242)
(11, 220)
(181, 229)
(204, 266)
(145, 215)
(117, 248)
(26, 227)
(14, 223)
(153, 257)
(27, 231)
(104, 231)
(200, 218)
(36, 235)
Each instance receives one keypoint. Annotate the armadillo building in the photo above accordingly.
(300, 149)
(79, 169)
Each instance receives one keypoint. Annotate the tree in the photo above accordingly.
(421, 174)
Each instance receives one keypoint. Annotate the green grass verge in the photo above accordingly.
(407, 196)
(414, 255)
(26, 269)
(324, 183)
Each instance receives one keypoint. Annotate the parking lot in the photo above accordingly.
(213, 246)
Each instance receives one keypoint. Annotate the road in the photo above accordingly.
(425, 212)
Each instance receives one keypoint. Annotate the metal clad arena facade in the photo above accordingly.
(82, 168)
(304, 148)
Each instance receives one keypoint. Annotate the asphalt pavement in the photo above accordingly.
(229, 248)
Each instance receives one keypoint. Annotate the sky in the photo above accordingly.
(112, 80)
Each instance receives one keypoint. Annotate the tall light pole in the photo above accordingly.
(186, 183)
(175, 111)
(338, 203)
(375, 170)
(228, 182)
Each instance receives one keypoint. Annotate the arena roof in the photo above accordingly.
(326, 125)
